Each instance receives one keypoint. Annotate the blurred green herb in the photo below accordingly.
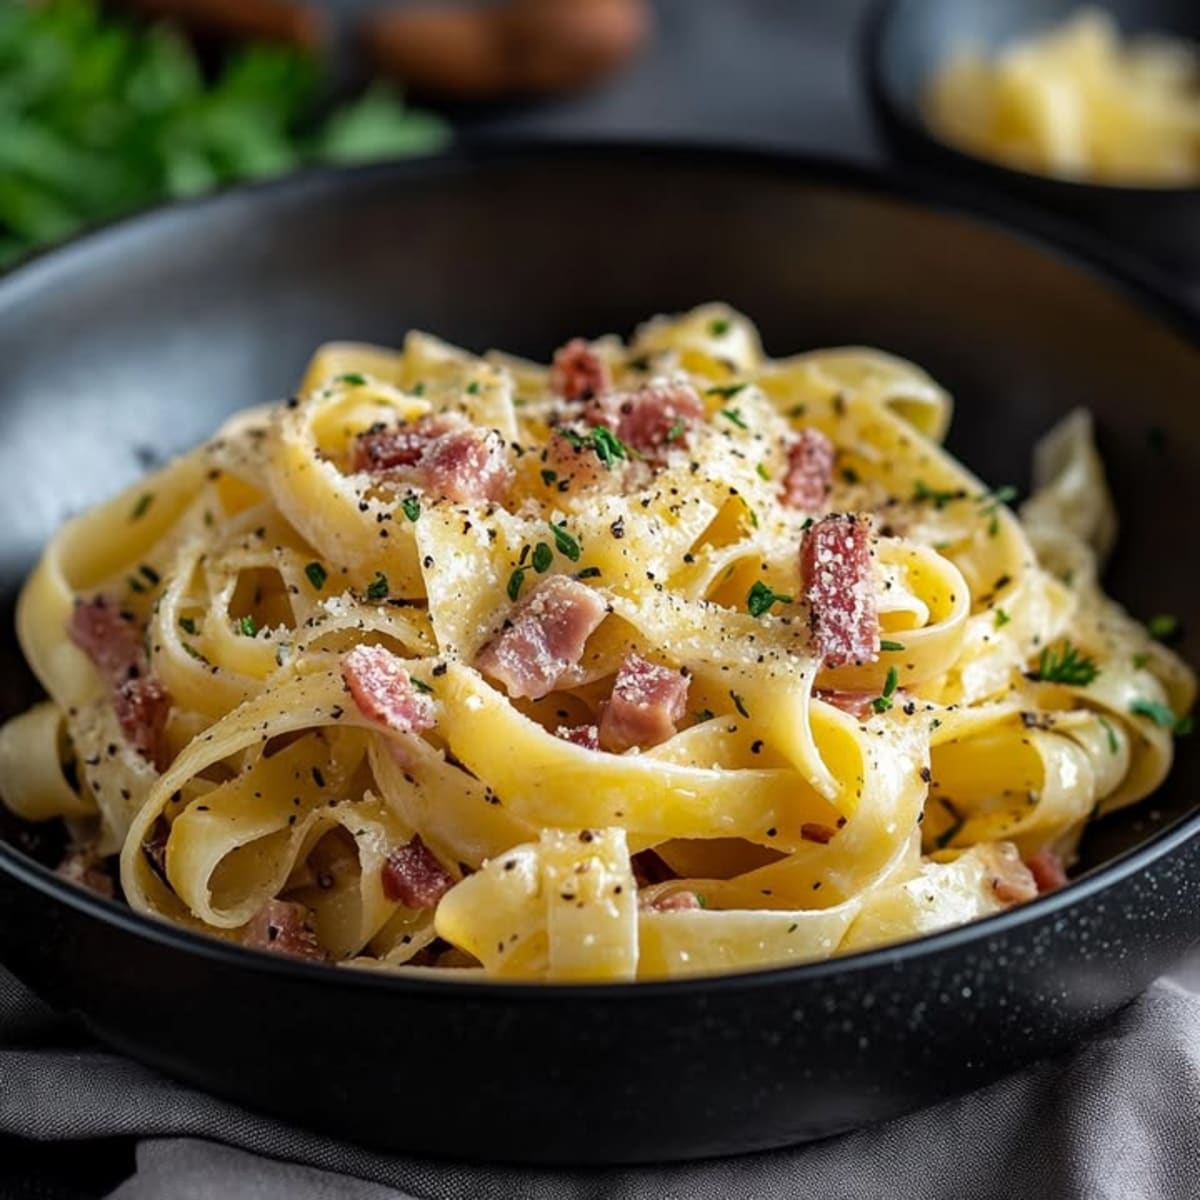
(100, 117)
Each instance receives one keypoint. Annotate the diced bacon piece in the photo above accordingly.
(1012, 881)
(384, 692)
(652, 419)
(647, 702)
(112, 640)
(471, 464)
(579, 373)
(674, 902)
(446, 457)
(283, 927)
(587, 736)
(385, 449)
(543, 636)
(1048, 871)
(81, 866)
(857, 704)
(835, 566)
(413, 877)
(809, 471)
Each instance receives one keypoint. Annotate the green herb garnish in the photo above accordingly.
(1113, 745)
(726, 392)
(1165, 627)
(316, 575)
(421, 686)
(473, 388)
(719, 327)
(411, 507)
(143, 503)
(543, 556)
(515, 581)
(891, 646)
(761, 471)
(1002, 618)
(247, 626)
(549, 476)
(187, 624)
(1162, 716)
(732, 414)
(938, 498)
(737, 703)
(353, 378)
(607, 446)
(1067, 666)
(377, 589)
(989, 505)
(566, 544)
(149, 574)
(588, 573)
(760, 599)
(883, 701)
(676, 430)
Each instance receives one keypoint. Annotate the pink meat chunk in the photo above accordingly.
(856, 704)
(835, 566)
(647, 703)
(413, 877)
(651, 420)
(450, 460)
(384, 691)
(674, 902)
(578, 373)
(809, 471)
(112, 640)
(587, 736)
(1048, 870)
(283, 927)
(543, 636)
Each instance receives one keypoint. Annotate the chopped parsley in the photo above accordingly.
(143, 503)
(135, 584)
(990, 502)
(700, 900)
(892, 646)
(473, 388)
(1140, 661)
(883, 701)
(705, 714)
(732, 414)
(588, 573)
(676, 430)
(1067, 666)
(419, 388)
(316, 575)
(719, 328)
(607, 446)
(195, 653)
(377, 589)
(566, 544)
(411, 507)
(247, 626)
(761, 598)
(938, 498)
(738, 704)
(762, 472)
(353, 378)
(187, 624)
(421, 686)
(1113, 744)
(543, 556)
(1002, 618)
(549, 476)
(1165, 627)
(726, 392)
(1162, 716)
(515, 582)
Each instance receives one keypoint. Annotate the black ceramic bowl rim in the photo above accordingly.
(883, 98)
(1112, 266)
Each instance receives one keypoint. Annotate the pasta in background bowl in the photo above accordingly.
(669, 658)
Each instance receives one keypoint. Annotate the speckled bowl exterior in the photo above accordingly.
(133, 343)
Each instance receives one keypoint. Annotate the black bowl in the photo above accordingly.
(135, 342)
(906, 41)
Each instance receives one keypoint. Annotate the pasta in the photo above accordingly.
(1076, 102)
(670, 658)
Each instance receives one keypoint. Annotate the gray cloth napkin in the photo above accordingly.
(1118, 1118)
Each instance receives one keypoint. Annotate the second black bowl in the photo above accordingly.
(908, 41)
